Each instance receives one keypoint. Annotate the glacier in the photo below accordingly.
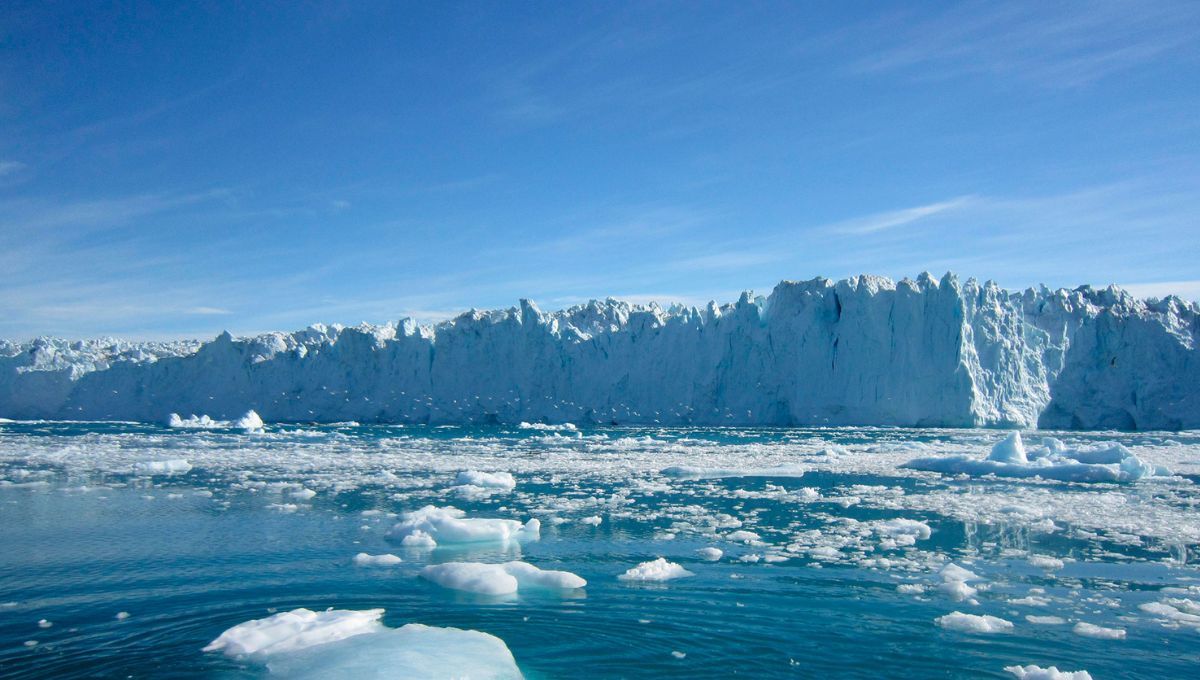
(861, 351)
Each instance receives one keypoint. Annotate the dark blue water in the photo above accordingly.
(82, 538)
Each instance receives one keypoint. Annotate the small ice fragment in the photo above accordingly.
(1010, 450)
(486, 480)
(655, 570)
(162, 467)
(498, 579)
(1046, 562)
(45, 624)
(957, 590)
(418, 539)
(972, 623)
(1091, 630)
(251, 422)
(362, 559)
(678, 654)
(594, 520)
(710, 554)
(121, 616)
(953, 572)
(1032, 672)
(451, 525)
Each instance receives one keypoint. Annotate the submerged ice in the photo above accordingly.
(862, 351)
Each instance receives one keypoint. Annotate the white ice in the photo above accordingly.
(354, 644)
(1032, 672)
(973, 623)
(451, 525)
(655, 570)
(363, 559)
(499, 579)
(1052, 461)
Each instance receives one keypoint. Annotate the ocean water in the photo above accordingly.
(816, 580)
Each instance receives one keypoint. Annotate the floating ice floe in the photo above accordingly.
(1051, 461)
(474, 485)
(544, 427)
(499, 579)
(1046, 562)
(954, 583)
(451, 525)
(973, 623)
(250, 422)
(175, 466)
(1091, 630)
(354, 644)
(693, 472)
(655, 570)
(1175, 611)
(902, 532)
(710, 554)
(1032, 672)
(362, 559)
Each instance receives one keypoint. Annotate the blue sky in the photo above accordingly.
(178, 170)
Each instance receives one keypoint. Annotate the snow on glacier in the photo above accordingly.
(862, 351)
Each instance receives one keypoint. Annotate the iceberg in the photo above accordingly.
(861, 351)
(354, 644)
(1052, 461)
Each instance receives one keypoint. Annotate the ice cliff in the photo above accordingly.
(862, 351)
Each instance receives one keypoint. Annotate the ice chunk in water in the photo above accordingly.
(362, 559)
(498, 579)
(655, 570)
(1010, 450)
(972, 623)
(354, 644)
(162, 467)
(451, 525)
(1110, 463)
(294, 630)
(1032, 672)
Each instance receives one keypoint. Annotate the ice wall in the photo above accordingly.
(863, 351)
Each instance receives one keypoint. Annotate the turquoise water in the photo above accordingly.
(84, 537)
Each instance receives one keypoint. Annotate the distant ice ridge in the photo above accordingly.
(862, 351)
(354, 644)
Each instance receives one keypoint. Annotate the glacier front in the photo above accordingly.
(861, 351)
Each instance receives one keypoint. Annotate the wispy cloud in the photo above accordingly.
(10, 167)
(870, 224)
(1051, 44)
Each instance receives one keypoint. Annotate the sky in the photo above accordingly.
(178, 169)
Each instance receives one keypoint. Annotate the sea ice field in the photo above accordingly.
(241, 549)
